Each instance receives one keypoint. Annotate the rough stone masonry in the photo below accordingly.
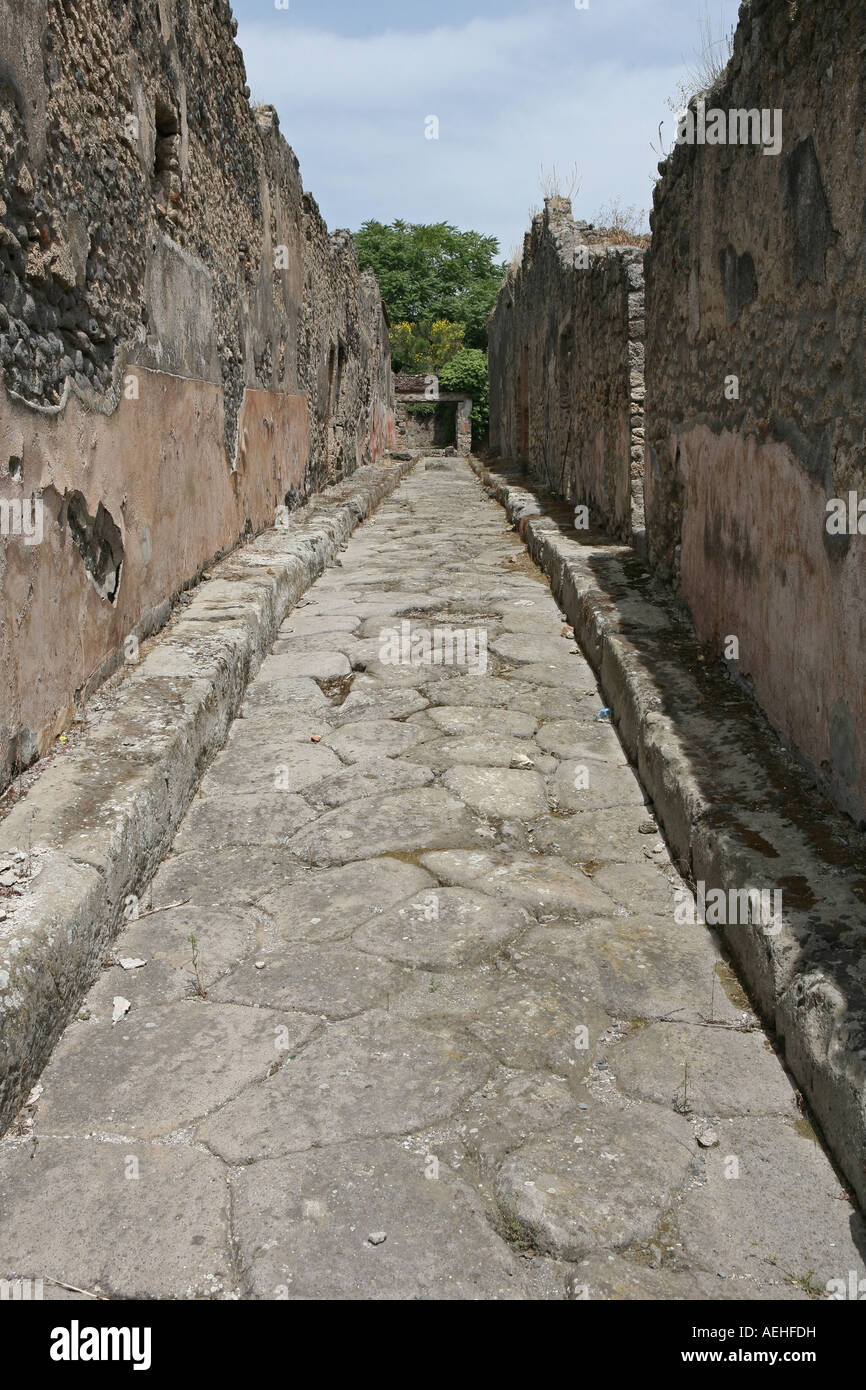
(754, 484)
(184, 348)
(567, 368)
(755, 296)
(406, 1012)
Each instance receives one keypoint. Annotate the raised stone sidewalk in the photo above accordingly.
(409, 1011)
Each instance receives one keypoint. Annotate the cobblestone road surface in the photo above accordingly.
(438, 1033)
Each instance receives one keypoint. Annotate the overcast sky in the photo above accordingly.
(515, 86)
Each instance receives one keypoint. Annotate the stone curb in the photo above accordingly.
(104, 813)
(737, 809)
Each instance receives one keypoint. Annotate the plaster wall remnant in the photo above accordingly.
(756, 272)
(169, 300)
(566, 368)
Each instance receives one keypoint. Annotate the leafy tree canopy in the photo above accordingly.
(425, 347)
(433, 272)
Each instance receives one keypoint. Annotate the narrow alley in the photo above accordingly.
(407, 1011)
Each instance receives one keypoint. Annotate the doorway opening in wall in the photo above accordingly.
(337, 358)
(332, 358)
(166, 183)
(432, 423)
(564, 363)
(167, 130)
(563, 368)
(342, 355)
(523, 404)
(424, 420)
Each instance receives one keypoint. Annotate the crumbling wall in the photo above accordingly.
(566, 367)
(756, 380)
(184, 348)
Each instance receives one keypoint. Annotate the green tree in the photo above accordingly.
(425, 347)
(432, 272)
(410, 351)
(446, 340)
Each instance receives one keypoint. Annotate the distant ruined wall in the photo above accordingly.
(183, 346)
(423, 431)
(757, 271)
(566, 368)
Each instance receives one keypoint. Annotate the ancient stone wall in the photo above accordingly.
(566, 368)
(422, 428)
(756, 377)
(184, 347)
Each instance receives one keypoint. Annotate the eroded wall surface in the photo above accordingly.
(757, 272)
(184, 347)
(566, 367)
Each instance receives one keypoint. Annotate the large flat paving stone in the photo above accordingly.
(554, 954)
(240, 875)
(327, 904)
(426, 819)
(304, 644)
(472, 721)
(414, 676)
(223, 937)
(441, 929)
(596, 837)
(541, 884)
(485, 691)
(159, 1070)
(372, 1076)
(129, 1220)
(227, 817)
(372, 738)
(480, 750)
(593, 784)
(368, 700)
(317, 666)
(569, 674)
(729, 1222)
(556, 702)
(724, 1071)
(527, 615)
(454, 998)
(646, 887)
(500, 792)
(321, 978)
(372, 777)
(568, 741)
(531, 648)
(303, 1226)
(291, 693)
(299, 624)
(259, 765)
(530, 1025)
(602, 1181)
(654, 968)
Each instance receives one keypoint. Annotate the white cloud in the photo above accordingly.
(388, 71)
(511, 94)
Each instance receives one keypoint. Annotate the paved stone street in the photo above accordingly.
(418, 1019)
